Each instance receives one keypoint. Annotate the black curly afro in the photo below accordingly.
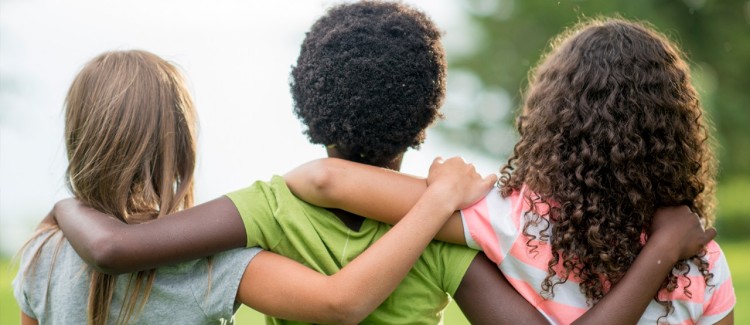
(370, 78)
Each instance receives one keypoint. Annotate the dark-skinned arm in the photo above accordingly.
(486, 297)
(676, 232)
(114, 247)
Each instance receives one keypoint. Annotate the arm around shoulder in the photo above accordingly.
(302, 294)
(373, 192)
(113, 247)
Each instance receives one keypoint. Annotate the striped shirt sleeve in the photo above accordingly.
(490, 226)
(720, 298)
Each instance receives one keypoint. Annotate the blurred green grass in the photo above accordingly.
(735, 252)
(733, 221)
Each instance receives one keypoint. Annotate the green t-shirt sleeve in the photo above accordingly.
(256, 205)
(453, 262)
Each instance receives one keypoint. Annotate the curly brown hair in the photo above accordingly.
(370, 78)
(611, 129)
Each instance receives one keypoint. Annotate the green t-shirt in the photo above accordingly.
(278, 221)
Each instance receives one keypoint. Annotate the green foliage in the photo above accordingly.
(739, 265)
(9, 313)
(512, 35)
(733, 208)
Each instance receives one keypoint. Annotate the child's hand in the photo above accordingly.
(458, 182)
(679, 229)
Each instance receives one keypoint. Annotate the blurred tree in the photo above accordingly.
(511, 35)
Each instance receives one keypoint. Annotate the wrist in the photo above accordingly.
(441, 199)
(667, 250)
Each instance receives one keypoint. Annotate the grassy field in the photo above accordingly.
(735, 251)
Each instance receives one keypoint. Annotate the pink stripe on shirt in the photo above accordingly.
(480, 219)
(559, 313)
(723, 299)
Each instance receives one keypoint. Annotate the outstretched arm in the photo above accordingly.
(378, 193)
(112, 246)
(387, 194)
(271, 285)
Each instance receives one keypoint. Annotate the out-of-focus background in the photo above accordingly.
(237, 57)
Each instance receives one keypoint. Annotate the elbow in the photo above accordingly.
(344, 312)
(348, 309)
(104, 255)
(322, 174)
(314, 181)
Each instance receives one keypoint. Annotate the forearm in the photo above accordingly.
(486, 297)
(357, 188)
(627, 301)
(114, 247)
(377, 193)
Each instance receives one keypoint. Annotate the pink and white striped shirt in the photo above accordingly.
(495, 225)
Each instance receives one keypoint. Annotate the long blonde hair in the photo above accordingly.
(130, 135)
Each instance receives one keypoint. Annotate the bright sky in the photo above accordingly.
(236, 56)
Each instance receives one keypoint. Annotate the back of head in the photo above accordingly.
(369, 79)
(130, 139)
(611, 130)
(130, 136)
